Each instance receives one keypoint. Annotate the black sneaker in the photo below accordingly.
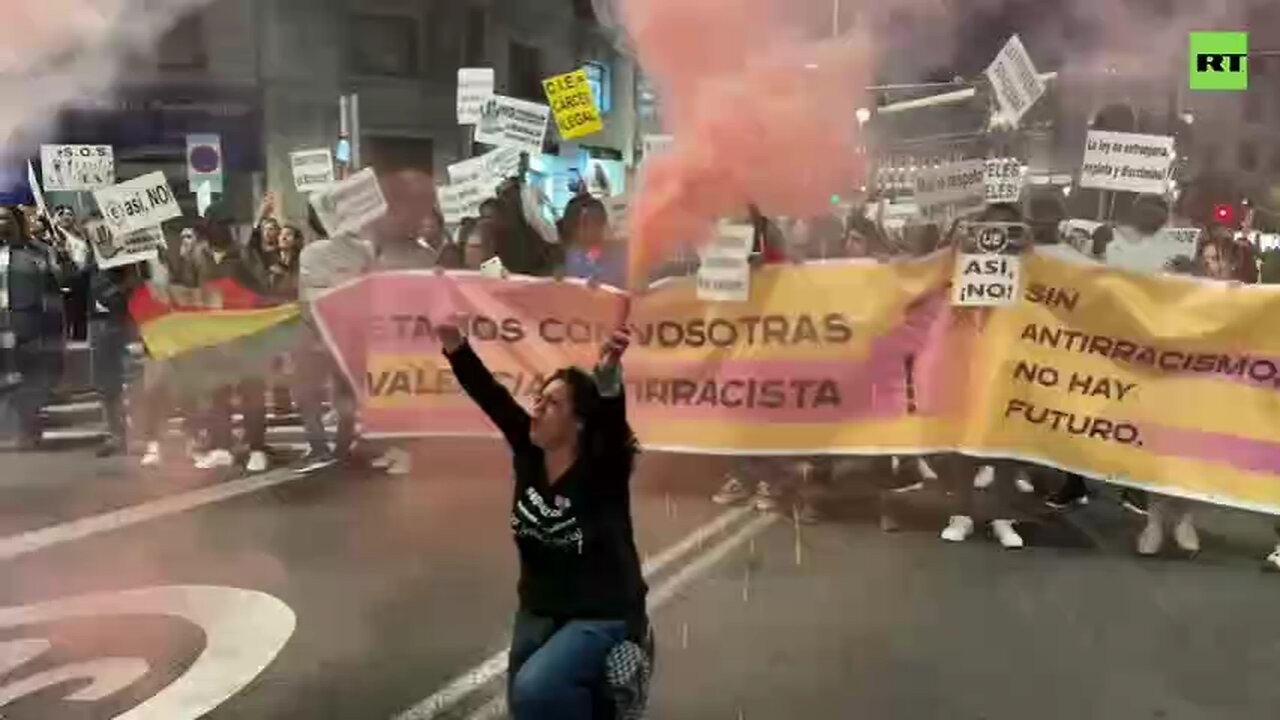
(316, 460)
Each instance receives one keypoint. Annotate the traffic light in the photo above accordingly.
(1224, 214)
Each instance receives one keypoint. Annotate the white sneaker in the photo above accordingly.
(766, 498)
(1185, 535)
(1272, 561)
(151, 458)
(1151, 539)
(925, 470)
(1022, 481)
(257, 462)
(401, 462)
(984, 477)
(215, 459)
(1008, 537)
(731, 492)
(958, 529)
(383, 461)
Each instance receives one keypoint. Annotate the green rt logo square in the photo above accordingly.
(1219, 61)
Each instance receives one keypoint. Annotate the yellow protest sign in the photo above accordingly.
(574, 104)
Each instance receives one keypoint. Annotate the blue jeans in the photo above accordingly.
(556, 671)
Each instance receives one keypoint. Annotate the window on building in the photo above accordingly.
(1252, 107)
(601, 81)
(183, 47)
(384, 45)
(524, 70)
(477, 30)
(1248, 158)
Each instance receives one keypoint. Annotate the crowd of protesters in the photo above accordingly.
(47, 272)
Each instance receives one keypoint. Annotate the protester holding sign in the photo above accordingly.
(114, 330)
(224, 262)
(32, 275)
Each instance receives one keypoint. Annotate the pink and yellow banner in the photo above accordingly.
(1166, 383)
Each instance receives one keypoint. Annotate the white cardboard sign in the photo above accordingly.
(36, 192)
(1127, 161)
(77, 167)
(312, 169)
(142, 202)
(111, 250)
(347, 206)
(462, 200)
(1014, 78)
(513, 123)
(656, 144)
(956, 187)
(475, 86)
(493, 166)
(1153, 254)
(724, 275)
(985, 280)
(1005, 178)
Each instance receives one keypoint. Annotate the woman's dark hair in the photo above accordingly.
(19, 219)
(578, 206)
(613, 442)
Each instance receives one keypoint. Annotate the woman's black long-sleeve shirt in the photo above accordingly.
(578, 557)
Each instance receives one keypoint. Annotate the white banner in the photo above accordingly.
(142, 202)
(724, 275)
(462, 200)
(347, 206)
(312, 169)
(1014, 78)
(985, 280)
(77, 167)
(1005, 178)
(1127, 161)
(475, 86)
(1152, 254)
(955, 188)
(493, 166)
(513, 123)
(111, 250)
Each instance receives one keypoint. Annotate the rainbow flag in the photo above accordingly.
(214, 335)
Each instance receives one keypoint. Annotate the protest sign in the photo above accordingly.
(1093, 370)
(985, 280)
(142, 202)
(1015, 81)
(312, 169)
(1005, 178)
(573, 104)
(492, 167)
(77, 167)
(36, 192)
(513, 123)
(475, 86)
(462, 200)
(114, 250)
(1127, 162)
(951, 189)
(348, 206)
(1157, 253)
(724, 274)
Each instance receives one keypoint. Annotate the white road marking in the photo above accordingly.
(496, 707)
(467, 683)
(34, 540)
(244, 630)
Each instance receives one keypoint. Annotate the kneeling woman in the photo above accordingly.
(581, 589)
